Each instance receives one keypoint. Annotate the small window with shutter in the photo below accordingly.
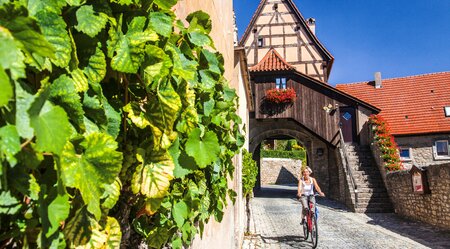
(260, 42)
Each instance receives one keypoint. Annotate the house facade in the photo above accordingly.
(417, 110)
(286, 58)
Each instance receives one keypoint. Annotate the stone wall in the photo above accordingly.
(433, 208)
(280, 171)
(422, 152)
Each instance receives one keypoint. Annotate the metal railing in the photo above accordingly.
(347, 167)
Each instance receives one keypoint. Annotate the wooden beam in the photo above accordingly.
(282, 13)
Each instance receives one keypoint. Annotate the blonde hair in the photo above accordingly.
(306, 168)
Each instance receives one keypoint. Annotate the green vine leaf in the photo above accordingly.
(7, 91)
(199, 38)
(50, 123)
(35, 188)
(78, 230)
(96, 68)
(158, 64)
(63, 92)
(99, 163)
(52, 6)
(111, 194)
(12, 59)
(199, 19)
(152, 205)
(25, 30)
(54, 30)
(161, 23)
(90, 22)
(180, 213)
(182, 66)
(8, 203)
(80, 80)
(23, 103)
(203, 149)
(152, 176)
(107, 237)
(58, 211)
(124, 2)
(157, 237)
(165, 4)
(128, 50)
(75, 2)
(9, 144)
(208, 107)
(136, 115)
(113, 119)
(165, 106)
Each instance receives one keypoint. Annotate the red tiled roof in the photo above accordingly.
(410, 105)
(272, 61)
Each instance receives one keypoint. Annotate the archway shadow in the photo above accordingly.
(292, 241)
(290, 191)
(285, 177)
(420, 232)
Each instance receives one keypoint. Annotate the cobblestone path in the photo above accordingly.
(276, 224)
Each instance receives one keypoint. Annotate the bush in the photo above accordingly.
(295, 154)
(249, 173)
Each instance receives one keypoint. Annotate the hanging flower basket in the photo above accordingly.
(281, 96)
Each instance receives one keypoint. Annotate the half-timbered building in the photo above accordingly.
(284, 53)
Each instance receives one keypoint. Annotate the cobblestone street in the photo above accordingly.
(276, 224)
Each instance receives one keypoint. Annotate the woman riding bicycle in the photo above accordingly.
(306, 187)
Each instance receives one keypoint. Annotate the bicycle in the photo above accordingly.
(310, 224)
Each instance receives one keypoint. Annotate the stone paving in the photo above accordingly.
(276, 224)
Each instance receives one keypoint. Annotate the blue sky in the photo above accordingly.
(397, 37)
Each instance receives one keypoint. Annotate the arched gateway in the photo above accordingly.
(289, 70)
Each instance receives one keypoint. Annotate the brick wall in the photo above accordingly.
(280, 171)
(433, 208)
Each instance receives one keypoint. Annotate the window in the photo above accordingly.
(280, 83)
(405, 154)
(260, 42)
(447, 111)
(441, 148)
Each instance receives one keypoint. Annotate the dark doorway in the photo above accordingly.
(347, 119)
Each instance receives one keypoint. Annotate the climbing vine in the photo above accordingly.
(116, 124)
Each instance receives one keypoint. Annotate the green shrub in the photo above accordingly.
(296, 154)
(249, 173)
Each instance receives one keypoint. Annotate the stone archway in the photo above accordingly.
(320, 155)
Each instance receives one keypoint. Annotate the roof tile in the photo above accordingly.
(272, 61)
(411, 105)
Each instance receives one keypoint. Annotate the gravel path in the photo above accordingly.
(276, 224)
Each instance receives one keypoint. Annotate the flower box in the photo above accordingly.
(281, 96)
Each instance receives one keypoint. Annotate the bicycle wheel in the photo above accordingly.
(305, 230)
(314, 232)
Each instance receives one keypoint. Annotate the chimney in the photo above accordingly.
(312, 24)
(378, 80)
(235, 31)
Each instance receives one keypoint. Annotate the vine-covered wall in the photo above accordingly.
(117, 126)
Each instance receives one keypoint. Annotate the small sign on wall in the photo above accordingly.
(419, 180)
